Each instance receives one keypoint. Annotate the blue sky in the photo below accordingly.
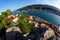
(15, 4)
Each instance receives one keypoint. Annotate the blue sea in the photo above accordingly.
(48, 16)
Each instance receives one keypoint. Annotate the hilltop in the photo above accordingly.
(39, 7)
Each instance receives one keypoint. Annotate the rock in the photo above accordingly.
(3, 33)
(25, 34)
(12, 33)
(49, 33)
(36, 33)
(13, 29)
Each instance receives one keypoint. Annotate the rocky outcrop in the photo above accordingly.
(13, 29)
(2, 34)
(13, 32)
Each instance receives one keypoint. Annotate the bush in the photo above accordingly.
(24, 25)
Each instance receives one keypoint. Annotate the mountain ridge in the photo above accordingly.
(40, 6)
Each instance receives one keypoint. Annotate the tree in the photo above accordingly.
(24, 25)
(7, 12)
(4, 22)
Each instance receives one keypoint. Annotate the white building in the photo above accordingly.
(15, 20)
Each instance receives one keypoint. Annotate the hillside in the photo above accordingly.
(39, 7)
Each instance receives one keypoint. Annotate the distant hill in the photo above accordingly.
(39, 7)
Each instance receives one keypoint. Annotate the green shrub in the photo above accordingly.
(24, 25)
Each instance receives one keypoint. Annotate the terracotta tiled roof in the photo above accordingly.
(11, 17)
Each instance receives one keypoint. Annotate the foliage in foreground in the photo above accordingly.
(24, 25)
(22, 22)
(3, 19)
